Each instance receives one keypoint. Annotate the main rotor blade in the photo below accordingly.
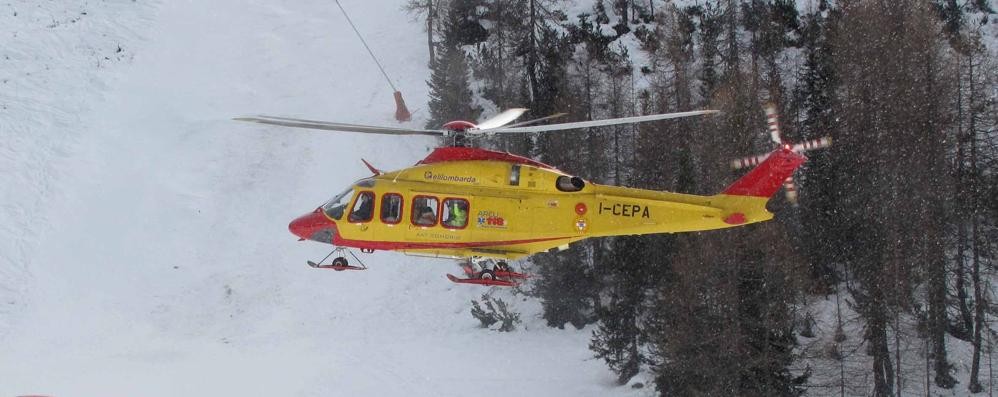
(501, 119)
(325, 125)
(535, 121)
(597, 123)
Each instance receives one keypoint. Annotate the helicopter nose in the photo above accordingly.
(313, 226)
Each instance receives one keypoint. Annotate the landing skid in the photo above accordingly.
(500, 274)
(338, 268)
(339, 263)
(481, 281)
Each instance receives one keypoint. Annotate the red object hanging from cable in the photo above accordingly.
(402, 113)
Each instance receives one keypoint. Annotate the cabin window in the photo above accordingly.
(514, 175)
(424, 210)
(567, 183)
(391, 208)
(455, 213)
(363, 208)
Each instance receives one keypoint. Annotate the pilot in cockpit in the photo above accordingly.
(363, 209)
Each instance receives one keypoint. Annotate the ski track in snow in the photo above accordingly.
(144, 245)
(55, 61)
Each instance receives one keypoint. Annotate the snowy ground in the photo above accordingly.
(144, 246)
(855, 366)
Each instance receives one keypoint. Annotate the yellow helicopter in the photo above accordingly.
(487, 207)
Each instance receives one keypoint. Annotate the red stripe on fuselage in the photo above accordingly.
(404, 245)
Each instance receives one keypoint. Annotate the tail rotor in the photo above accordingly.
(773, 126)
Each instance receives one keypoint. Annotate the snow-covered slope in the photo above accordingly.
(144, 249)
(55, 62)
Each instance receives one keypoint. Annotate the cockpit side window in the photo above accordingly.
(363, 208)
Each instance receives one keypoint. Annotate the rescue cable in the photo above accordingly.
(401, 112)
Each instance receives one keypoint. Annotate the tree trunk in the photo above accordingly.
(532, 53)
(500, 70)
(429, 28)
(883, 371)
(979, 300)
(979, 305)
(961, 208)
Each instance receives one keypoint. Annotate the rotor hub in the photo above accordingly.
(458, 126)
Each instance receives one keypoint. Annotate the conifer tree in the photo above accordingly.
(592, 155)
(889, 66)
(709, 28)
(627, 279)
(813, 98)
(566, 287)
(450, 92)
(715, 313)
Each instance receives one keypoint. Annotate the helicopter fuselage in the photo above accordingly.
(466, 202)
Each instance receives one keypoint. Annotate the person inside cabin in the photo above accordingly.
(426, 213)
(426, 217)
(363, 209)
(458, 213)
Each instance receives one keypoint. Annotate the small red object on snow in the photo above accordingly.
(401, 112)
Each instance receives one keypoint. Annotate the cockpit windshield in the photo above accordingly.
(335, 206)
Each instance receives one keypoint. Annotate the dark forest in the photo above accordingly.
(878, 281)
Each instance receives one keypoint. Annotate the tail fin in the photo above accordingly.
(765, 179)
